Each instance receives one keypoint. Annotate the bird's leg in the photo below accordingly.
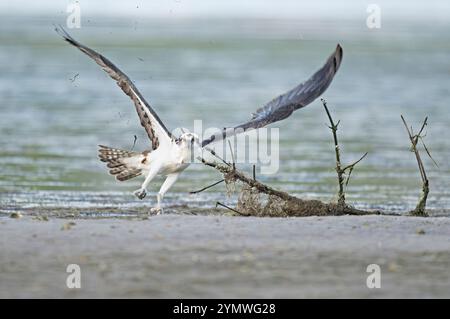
(142, 192)
(168, 183)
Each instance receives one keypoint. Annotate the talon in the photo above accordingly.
(156, 210)
(140, 193)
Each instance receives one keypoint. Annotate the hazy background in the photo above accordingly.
(345, 9)
(218, 61)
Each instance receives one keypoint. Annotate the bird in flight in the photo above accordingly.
(169, 155)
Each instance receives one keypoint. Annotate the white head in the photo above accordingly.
(188, 140)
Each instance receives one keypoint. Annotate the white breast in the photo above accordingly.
(175, 159)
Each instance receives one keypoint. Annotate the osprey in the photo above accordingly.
(170, 155)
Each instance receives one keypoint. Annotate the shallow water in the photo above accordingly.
(57, 105)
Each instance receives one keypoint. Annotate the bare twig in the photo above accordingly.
(217, 156)
(74, 78)
(205, 188)
(232, 209)
(232, 155)
(339, 170)
(428, 152)
(340, 173)
(351, 167)
(354, 163)
(134, 143)
(421, 129)
(421, 205)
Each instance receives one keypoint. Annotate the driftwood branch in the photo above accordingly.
(289, 204)
(259, 199)
(235, 174)
(420, 209)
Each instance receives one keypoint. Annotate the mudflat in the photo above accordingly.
(201, 256)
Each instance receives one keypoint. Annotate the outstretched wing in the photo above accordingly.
(284, 105)
(154, 127)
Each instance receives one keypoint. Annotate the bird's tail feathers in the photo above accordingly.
(123, 164)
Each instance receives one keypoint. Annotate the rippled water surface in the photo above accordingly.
(57, 105)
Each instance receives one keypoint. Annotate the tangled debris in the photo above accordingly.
(258, 199)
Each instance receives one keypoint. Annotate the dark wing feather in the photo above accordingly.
(154, 127)
(284, 105)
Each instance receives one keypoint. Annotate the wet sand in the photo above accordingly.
(187, 256)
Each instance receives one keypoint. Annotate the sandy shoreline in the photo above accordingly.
(220, 256)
